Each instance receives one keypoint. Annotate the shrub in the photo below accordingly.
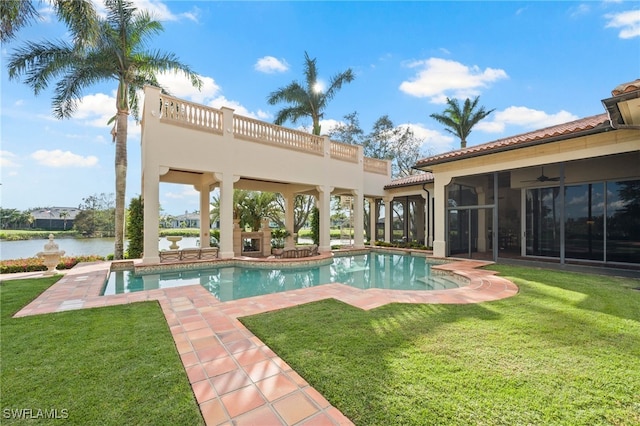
(33, 264)
(135, 228)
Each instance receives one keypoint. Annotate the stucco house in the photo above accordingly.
(566, 193)
(54, 218)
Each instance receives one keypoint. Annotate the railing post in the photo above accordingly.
(327, 146)
(227, 121)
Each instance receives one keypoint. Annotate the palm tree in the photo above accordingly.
(77, 14)
(64, 214)
(308, 101)
(459, 122)
(118, 53)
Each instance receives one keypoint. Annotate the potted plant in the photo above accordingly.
(278, 236)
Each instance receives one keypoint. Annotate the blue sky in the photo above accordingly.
(535, 63)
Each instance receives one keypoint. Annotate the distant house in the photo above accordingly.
(187, 220)
(55, 218)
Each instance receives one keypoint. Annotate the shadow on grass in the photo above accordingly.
(110, 366)
(560, 352)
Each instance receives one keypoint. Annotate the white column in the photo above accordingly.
(226, 214)
(387, 218)
(440, 216)
(358, 219)
(372, 220)
(151, 197)
(205, 217)
(324, 205)
(289, 207)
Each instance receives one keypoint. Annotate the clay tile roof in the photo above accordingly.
(626, 88)
(536, 136)
(410, 180)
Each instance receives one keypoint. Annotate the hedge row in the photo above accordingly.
(32, 264)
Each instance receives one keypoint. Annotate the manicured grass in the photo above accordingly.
(564, 351)
(107, 366)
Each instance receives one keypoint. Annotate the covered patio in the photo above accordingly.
(191, 144)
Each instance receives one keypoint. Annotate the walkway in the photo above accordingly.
(235, 377)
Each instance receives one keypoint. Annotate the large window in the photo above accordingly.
(543, 222)
(623, 221)
(601, 221)
(584, 221)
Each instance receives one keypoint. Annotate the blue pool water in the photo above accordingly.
(372, 270)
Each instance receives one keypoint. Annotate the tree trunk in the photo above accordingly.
(121, 181)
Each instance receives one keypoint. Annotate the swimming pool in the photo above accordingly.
(364, 271)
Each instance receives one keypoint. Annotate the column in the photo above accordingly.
(205, 217)
(226, 214)
(373, 216)
(440, 216)
(151, 197)
(358, 219)
(289, 218)
(388, 214)
(324, 206)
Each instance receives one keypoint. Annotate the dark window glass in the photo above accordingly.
(584, 221)
(623, 221)
(543, 222)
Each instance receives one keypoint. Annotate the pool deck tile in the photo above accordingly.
(235, 378)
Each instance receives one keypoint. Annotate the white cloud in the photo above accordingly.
(263, 115)
(433, 142)
(524, 117)
(270, 65)
(185, 192)
(628, 22)
(96, 109)
(579, 10)
(328, 125)
(59, 158)
(439, 78)
(237, 108)
(8, 159)
(179, 85)
(157, 9)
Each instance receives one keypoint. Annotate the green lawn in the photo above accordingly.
(106, 366)
(564, 351)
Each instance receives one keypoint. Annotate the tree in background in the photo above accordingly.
(79, 15)
(302, 207)
(117, 53)
(315, 225)
(135, 228)
(459, 121)
(385, 141)
(97, 217)
(310, 100)
(249, 207)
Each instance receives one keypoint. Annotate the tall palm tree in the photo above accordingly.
(459, 122)
(308, 101)
(77, 14)
(119, 54)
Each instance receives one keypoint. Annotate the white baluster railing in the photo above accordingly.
(344, 152)
(189, 114)
(259, 131)
(375, 165)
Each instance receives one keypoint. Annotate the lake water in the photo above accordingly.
(76, 246)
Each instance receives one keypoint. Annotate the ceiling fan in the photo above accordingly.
(543, 178)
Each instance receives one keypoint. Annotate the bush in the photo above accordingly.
(33, 264)
(411, 244)
(135, 228)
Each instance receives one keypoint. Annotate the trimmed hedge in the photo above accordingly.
(32, 264)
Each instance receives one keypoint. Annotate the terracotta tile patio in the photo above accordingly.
(237, 379)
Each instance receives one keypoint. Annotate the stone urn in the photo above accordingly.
(51, 256)
(174, 241)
